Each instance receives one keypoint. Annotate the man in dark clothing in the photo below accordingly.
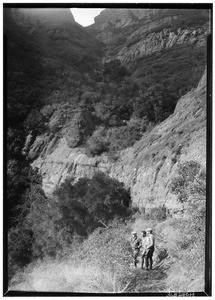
(143, 248)
(150, 246)
(135, 245)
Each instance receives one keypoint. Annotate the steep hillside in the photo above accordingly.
(134, 33)
(147, 167)
(46, 52)
(46, 57)
(80, 113)
(57, 35)
(106, 135)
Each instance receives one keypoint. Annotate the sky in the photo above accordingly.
(85, 16)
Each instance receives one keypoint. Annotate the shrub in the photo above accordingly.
(124, 136)
(48, 110)
(108, 248)
(156, 213)
(97, 143)
(190, 182)
(100, 265)
(39, 231)
(19, 249)
(186, 237)
(20, 176)
(187, 256)
(84, 204)
(35, 122)
(114, 70)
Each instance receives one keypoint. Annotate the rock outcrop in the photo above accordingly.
(110, 19)
(158, 41)
(147, 167)
(75, 125)
(134, 33)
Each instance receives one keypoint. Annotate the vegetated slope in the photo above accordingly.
(102, 263)
(46, 55)
(121, 102)
(163, 49)
(46, 52)
(58, 36)
(145, 168)
(101, 110)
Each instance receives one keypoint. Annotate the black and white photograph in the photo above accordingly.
(107, 149)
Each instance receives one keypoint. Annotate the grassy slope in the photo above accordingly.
(103, 263)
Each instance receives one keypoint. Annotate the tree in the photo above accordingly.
(190, 188)
(88, 201)
(98, 142)
(114, 70)
(15, 143)
(35, 122)
(190, 182)
(20, 176)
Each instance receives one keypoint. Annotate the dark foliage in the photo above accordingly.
(164, 78)
(114, 70)
(114, 139)
(20, 177)
(156, 213)
(190, 182)
(89, 201)
(35, 122)
(46, 227)
(19, 249)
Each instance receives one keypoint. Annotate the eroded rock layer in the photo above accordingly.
(134, 33)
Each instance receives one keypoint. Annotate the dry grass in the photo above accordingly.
(102, 264)
(187, 274)
(63, 276)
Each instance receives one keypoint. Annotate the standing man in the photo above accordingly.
(150, 246)
(143, 247)
(135, 245)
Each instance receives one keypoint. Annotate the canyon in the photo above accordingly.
(65, 50)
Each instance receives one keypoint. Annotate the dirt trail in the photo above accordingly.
(143, 281)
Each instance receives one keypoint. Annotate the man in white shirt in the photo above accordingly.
(150, 245)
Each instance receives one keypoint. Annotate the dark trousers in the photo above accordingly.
(135, 256)
(149, 254)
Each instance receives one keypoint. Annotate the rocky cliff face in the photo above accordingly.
(123, 17)
(134, 33)
(147, 167)
(158, 41)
